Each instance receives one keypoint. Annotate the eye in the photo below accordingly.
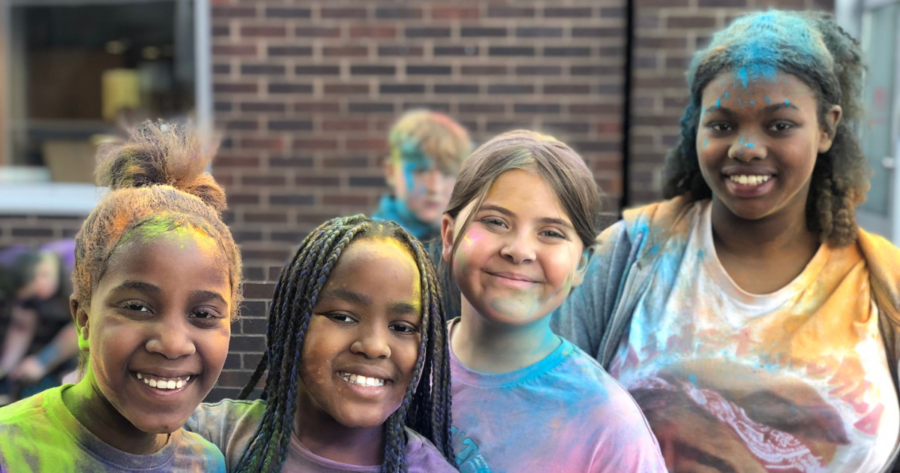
(404, 328)
(493, 221)
(720, 127)
(136, 306)
(554, 234)
(341, 318)
(781, 126)
(206, 313)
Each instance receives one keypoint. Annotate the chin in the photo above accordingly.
(155, 425)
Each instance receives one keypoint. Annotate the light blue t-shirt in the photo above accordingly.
(561, 414)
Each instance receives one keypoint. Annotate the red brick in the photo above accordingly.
(270, 144)
(317, 181)
(345, 51)
(345, 200)
(345, 124)
(263, 31)
(381, 32)
(343, 13)
(234, 50)
(236, 161)
(346, 88)
(455, 13)
(266, 217)
(317, 107)
(233, 12)
(375, 144)
(315, 144)
(235, 88)
(317, 32)
(690, 22)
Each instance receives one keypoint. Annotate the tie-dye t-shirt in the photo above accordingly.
(230, 424)
(792, 381)
(561, 414)
(39, 434)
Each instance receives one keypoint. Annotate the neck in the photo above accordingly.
(91, 408)
(765, 240)
(490, 347)
(326, 437)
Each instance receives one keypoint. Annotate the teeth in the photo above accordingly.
(361, 380)
(163, 383)
(749, 180)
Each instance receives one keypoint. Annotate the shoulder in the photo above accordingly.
(227, 424)
(422, 456)
(27, 410)
(195, 453)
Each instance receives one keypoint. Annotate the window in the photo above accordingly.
(74, 73)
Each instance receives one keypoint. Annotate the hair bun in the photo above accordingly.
(160, 153)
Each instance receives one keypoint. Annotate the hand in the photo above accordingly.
(30, 370)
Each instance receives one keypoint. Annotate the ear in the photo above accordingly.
(832, 119)
(583, 263)
(81, 322)
(447, 223)
(389, 169)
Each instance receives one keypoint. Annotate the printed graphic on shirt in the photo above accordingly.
(796, 380)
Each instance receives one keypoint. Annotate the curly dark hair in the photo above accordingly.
(812, 47)
(426, 405)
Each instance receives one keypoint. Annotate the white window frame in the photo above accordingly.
(77, 199)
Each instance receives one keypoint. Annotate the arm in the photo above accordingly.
(18, 338)
(584, 317)
(63, 348)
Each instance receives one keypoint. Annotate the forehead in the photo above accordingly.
(373, 261)
(525, 190)
(189, 255)
(729, 88)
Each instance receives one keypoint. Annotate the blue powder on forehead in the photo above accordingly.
(758, 45)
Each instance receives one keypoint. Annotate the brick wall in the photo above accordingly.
(667, 32)
(306, 90)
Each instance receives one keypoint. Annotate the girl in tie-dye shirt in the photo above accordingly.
(517, 237)
(752, 320)
(156, 284)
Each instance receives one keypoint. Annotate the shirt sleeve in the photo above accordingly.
(228, 425)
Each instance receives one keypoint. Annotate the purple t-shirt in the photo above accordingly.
(229, 424)
(561, 414)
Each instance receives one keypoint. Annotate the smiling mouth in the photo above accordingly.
(164, 384)
(750, 180)
(365, 381)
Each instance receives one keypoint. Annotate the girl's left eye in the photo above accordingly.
(781, 126)
(404, 328)
(494, 221)
(341, 318)
(553, 234)
(135, 306)
(206, 314)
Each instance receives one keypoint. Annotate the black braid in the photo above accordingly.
(426, 404)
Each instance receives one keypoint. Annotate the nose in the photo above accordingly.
(170, 342)
(372, 343)
(432, 181)
(518, 249)
(747, 148)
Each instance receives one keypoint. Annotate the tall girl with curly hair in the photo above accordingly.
(358, 372)
(755, 324)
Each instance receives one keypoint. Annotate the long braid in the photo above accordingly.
(426, 404)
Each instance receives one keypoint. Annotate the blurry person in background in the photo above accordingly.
(426, 151)
(40, 344)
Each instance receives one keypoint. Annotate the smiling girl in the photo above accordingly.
(517, 237)
(356, 359)
(755, 324)
(156, 284)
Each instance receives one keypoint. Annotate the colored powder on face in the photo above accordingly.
(742, 140)
(719, 103)
(705, 142)
(749, 145)
(787, 102)
(693, 379)
(752, 103)
(726, 94)
(767, 100)
(741, 103)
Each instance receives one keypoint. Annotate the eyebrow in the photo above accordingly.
(769, 109)
(152, 289)
(404, 308)
(348, 296)
(544, 220)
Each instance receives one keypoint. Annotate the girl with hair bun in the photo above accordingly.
(156, 286)
(753, 321)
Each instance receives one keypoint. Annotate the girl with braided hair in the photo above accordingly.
(356, 355)
(517, 237)
(752, 320)
(156, 286)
